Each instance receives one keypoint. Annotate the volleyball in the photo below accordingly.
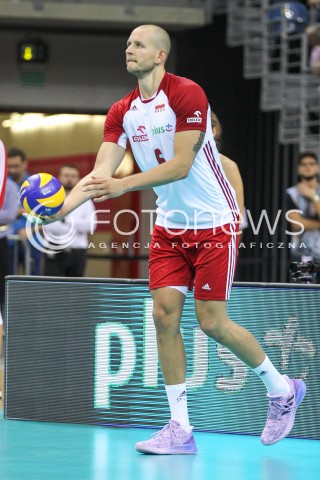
(42, 194)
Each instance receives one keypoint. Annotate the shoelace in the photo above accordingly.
(168, 431)
(277, 409)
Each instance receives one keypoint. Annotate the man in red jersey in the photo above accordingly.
(166, 119)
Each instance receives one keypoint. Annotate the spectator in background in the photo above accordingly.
(313, 34)
(313, 3)
(17, 169)
(315, 60)
(305, 196)
(8, 213)
(71, 261)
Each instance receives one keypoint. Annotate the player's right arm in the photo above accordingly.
(109, 157)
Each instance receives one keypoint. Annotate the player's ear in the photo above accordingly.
(161, 57)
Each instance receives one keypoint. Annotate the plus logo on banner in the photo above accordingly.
(289, 342)
(230, 374)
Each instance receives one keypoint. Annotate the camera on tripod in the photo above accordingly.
(304, 271)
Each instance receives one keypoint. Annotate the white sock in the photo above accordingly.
(177, 398)
(273, 380)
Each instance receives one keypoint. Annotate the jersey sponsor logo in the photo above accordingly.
(158, 130)
(196, 119)
(159, 108)
(141, 138)
(162, 129)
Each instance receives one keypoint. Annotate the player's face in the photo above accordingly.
(308, 168)
(69, 177)
(141, 53)
(16, 168)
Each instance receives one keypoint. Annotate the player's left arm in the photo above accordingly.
(233, 175)
(187, 143)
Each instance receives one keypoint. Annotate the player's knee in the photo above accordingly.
(214, 328)
(213, 319)
(165, 320)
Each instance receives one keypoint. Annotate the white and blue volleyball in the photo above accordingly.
(42, 194)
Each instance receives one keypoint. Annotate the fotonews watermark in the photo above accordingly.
(127, 222)
(109, 246)
(46, 241)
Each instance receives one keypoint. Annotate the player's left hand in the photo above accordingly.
(103, 188)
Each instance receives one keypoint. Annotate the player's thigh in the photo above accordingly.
(168, 264)
(215, 267)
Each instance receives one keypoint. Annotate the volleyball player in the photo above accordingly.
(166, 119)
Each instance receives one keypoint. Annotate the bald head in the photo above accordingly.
(158, 35)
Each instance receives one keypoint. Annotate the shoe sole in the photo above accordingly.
(164, 451)
(300, 391)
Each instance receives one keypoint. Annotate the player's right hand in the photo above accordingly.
(32, 218)
(35, 219)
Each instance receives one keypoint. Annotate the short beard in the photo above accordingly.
(142, 73)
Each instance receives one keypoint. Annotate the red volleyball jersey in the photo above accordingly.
(204, 199)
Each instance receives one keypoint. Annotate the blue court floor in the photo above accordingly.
(47, 451)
